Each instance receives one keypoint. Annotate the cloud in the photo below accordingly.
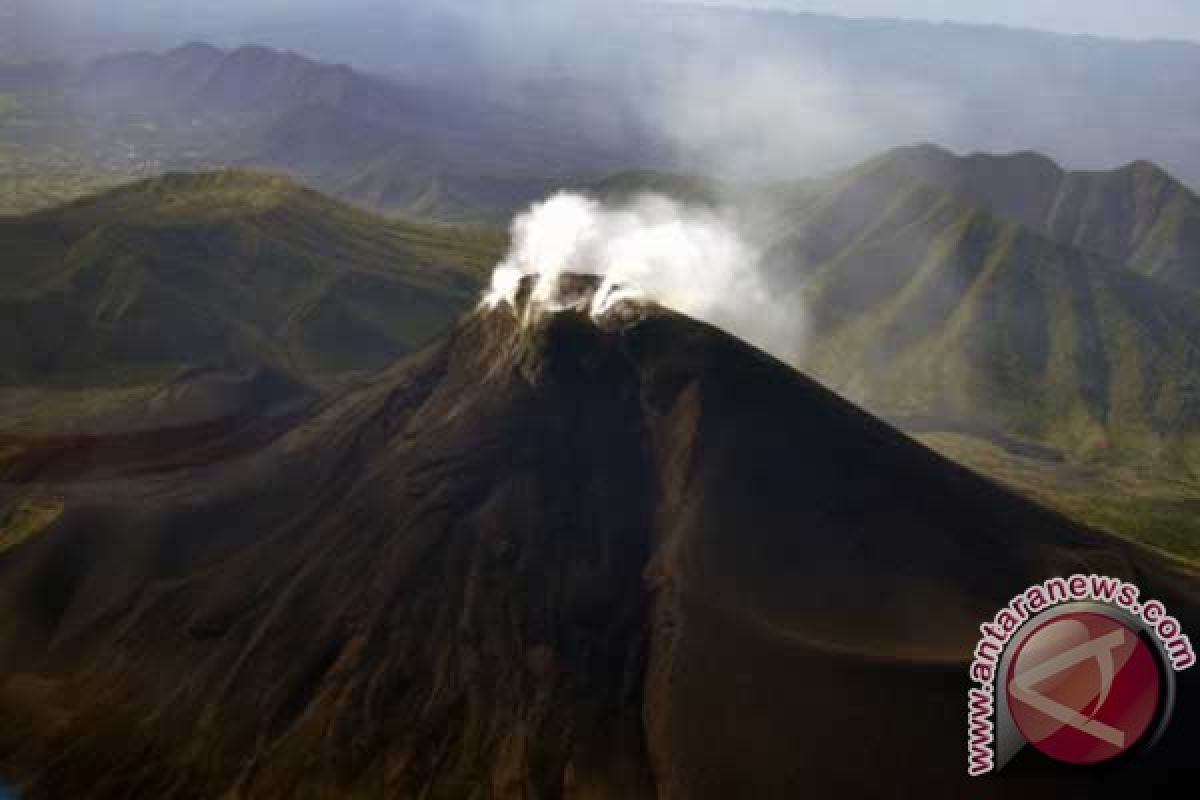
(690, 259)
(778, 115)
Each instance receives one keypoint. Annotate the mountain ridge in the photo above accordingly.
(226, 267)
(974, 316)
(1137, 214)
(344, 130)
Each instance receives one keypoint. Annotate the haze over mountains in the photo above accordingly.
(479, 137)
(819, 92)
(402, 148)
(303, 95)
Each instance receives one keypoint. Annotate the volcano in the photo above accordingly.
(552, 555)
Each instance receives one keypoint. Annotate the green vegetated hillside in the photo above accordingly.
(933, 307)
(1138, 215)
(922, 303)
(228, 269)
(1001, 344)
(399, 186)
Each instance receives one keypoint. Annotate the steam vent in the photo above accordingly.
(609, 304)
(556, 559)
(571, 289)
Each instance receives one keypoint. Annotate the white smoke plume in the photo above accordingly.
(689, 259)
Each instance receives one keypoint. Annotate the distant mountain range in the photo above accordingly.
(395, 147)
(199, 78)
(841, 89)
(421, 147)
(1089, 102)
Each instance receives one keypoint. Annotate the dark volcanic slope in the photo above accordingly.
(559, 561)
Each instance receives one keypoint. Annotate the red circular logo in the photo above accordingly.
(1084, 688)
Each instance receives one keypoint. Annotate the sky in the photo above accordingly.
(1129, 19)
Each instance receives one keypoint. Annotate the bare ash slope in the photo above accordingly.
(565, 560)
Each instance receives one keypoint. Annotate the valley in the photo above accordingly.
(1148, 503)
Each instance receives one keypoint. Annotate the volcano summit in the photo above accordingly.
(545, 557)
